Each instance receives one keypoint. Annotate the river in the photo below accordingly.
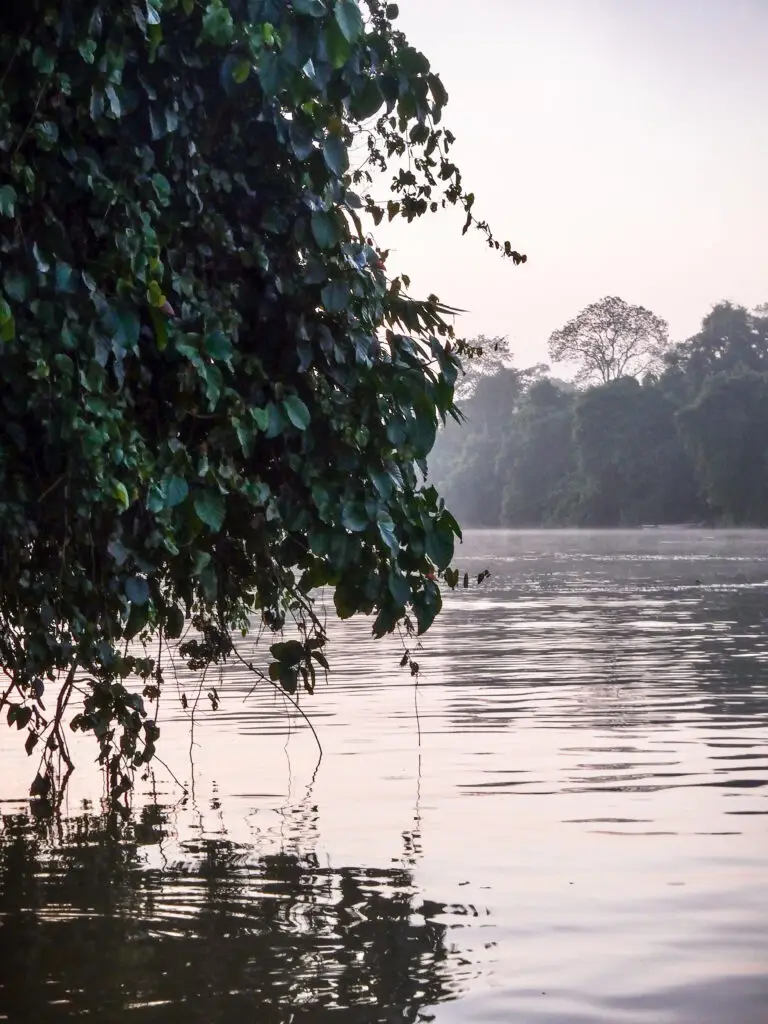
(565, 823)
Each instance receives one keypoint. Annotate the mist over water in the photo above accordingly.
(573, 830)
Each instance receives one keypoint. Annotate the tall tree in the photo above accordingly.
(213, 398)
(611, 339)
(731, 339)
(466, 456)
(633, 467)
(726, 430)
(538, 458)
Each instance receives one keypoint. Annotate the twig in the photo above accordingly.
(7, 694)
(40, 95)
(192, 713)
(416, 705)
(52, 487)
(300, 711)
(181, 785)
(61, 706)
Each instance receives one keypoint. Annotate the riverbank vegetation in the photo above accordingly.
(215, 400)
(648, 433)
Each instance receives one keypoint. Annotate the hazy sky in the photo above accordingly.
(622, 144)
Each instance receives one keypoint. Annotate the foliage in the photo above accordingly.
(726, 429)
(489, 357)
(730, 339)
(538, 458)
(610, 339)
(632, 465)
(214, 399)
(686, 445)
(470, 448)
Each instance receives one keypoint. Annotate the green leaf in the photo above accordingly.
(210, 509)
(241, 71)
(158, 122)
(277, 422)
(426, 606)
(336, 155)
(214, 382)
(65, 279)
(349, 19)
(176, 491)
(16, 285)
(296, 411)
(289, 679)
(382, 481)
(87, 50)
(452, 578)
(200, 561)
(155, 296)
(366, 100)
(290, 652)
(260, 417)
(162, 187)
(448, 520)
(121, 495)
(160, 324)
(218, 25)
(397, 432)
(314, 8)
(385, 621)
(114, 101)
(124, 325)
(386, 529)
(335, 296)
(324, 229)
(7, 323)
(354, 517)
(137, 590)
(423, 432)
(118, 551)
(7, 201)
(19, 715)
(439, 546)
(218, 346)
(399, 588)
(137, 620)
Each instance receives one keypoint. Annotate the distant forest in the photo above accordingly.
(649, 433)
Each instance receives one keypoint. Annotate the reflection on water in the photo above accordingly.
(588, 803)
(103, 918)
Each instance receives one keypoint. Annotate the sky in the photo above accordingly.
(621, 144)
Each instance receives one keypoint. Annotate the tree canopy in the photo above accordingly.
(687, 444)
(214, 399)
(610, 339)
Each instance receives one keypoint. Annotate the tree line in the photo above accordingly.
(647, 433)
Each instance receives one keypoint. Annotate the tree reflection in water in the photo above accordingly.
(215, 934)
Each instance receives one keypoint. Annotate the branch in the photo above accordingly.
(252, 668)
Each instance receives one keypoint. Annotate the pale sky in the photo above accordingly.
(621, 144)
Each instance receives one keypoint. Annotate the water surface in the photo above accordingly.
(573, 829)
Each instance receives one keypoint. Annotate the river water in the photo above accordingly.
(573, 828)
